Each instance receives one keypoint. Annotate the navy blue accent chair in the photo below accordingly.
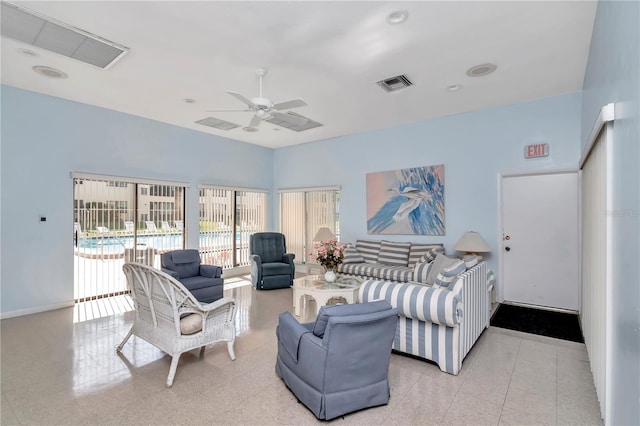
(205, 282)
(271, 266)
(340, 363)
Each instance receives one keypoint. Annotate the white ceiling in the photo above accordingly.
(328, 53)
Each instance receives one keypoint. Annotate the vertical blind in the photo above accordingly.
(303, 212)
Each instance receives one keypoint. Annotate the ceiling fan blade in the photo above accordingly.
(227, 110)
(255, 121)
(290, 118)
(242, 99)
(294, 103)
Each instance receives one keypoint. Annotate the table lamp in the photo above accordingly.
(323, 234)
(472, 243)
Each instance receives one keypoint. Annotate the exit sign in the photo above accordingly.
(538, 150)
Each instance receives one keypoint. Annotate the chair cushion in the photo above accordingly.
(276, 268)
(194, 283)
(270, 246)
(369, 250)
(351, 255)
(394, 253)
(327, 312)
(191, 324)
(185, 262)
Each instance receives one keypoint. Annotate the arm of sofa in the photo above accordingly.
(424, 303)
(256, 269)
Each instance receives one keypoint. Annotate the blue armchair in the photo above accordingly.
(271, 265)
(340, 363)
(205, 282)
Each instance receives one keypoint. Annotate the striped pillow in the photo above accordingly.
(419, 250)
(470, 261)
(421, 272)
(394, 253)
(369, 250)
(431, 254)
(448, 275)
(351, 255)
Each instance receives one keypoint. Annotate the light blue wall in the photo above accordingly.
(45, 138)
(473, 147)
(613, 74)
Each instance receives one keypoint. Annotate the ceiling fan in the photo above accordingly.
(265, 109)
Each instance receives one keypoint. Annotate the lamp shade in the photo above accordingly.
(323, 234)
(472, 242)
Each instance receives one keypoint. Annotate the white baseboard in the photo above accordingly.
(36, 310)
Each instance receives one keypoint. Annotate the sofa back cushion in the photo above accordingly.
(419, 250)
(421, 272)
(394, 253)
(441, 261)
(369, 250)
(351, 255)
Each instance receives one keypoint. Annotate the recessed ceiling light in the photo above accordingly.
(481, 70)
(190, 101)
(454, 87)
(397, 17)
(250, 129)
(27, 52)
(49, 72)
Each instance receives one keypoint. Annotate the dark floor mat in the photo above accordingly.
(538, 321)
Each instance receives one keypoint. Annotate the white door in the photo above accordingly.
(540, 243)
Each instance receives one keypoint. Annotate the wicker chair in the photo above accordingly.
(169, 317)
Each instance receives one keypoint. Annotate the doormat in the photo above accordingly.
(559, 325)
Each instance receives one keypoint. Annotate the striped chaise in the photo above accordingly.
(437, 324)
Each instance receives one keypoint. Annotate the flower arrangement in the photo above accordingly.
(328, 253)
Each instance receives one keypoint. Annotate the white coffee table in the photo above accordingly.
(322, 291)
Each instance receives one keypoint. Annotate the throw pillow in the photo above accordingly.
(351, 255)
(421, 272)
(419, 250)
(448, 275)
(440, 262)
(394, 253)
(369, 250)
(430, 255)
(191, 324)
(470, 261)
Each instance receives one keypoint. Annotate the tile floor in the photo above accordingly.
(55, 371)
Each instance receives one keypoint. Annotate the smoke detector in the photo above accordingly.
(481, 70)
(49, 72)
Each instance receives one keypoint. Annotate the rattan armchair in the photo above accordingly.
(169, 317)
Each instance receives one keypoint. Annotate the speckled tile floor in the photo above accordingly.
(55, 371)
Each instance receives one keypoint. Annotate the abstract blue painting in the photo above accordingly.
(406, 202)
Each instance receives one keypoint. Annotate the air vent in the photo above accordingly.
(282, 121)
(395, 83)
(55, 36)
(217, 124)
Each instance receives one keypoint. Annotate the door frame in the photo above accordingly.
(499, 235)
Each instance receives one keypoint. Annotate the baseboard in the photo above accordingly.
(36, 310)
(544, 308)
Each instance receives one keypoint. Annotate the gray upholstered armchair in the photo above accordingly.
(340, 363)
(205, 282)
(271, 265)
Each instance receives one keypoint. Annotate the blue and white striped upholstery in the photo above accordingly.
(421, 272)
(419, 250)
(470, 261)
(351, 255)
(394, 253)
(385, 272)
(437, 324)
(369, 250)
(445, 278)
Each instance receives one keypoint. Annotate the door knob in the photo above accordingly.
(507, 248)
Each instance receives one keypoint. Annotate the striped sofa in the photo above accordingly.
(437, 324)
(385, 260)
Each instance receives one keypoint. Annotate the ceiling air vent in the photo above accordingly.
(217, 124)
(55, 36)
(281, 120)
(395, 83)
